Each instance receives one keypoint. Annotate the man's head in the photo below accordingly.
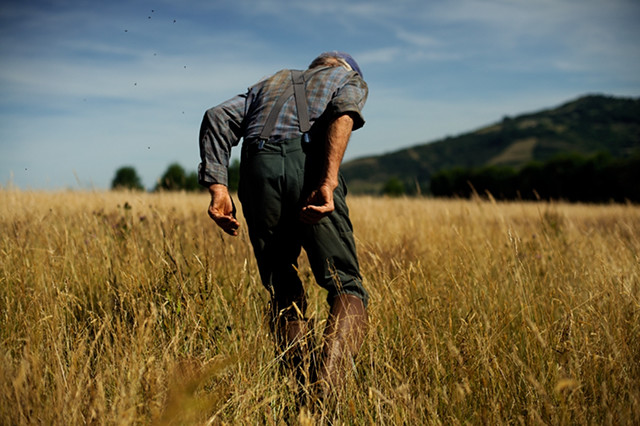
(336, 59)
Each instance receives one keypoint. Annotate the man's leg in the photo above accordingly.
(332, 254)
(343, 337)
(264, 197)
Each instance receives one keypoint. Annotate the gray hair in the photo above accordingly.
(329, 60)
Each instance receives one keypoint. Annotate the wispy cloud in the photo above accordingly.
(418, 39)
(377, 56)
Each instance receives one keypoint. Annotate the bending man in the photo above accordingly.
(295, 127)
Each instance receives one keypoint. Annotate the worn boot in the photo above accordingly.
(343, 336)
(292, 339)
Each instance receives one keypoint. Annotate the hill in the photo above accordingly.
(587, 125)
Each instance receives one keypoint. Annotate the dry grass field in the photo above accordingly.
(131, 308)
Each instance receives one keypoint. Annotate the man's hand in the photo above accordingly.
(221, 209)
(318, 205)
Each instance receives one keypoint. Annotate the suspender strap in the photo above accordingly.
(273, 115)
(301, 105)
(301, 100)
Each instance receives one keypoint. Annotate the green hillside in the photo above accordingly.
(588, 125)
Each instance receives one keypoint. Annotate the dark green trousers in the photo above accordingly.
(275, 180)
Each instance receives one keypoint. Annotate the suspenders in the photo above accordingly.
(301, 100)
(296, 88)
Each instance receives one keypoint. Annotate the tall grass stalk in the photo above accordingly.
(130, 308)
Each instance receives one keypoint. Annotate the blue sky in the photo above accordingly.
(89, 86)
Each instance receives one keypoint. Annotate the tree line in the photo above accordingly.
(571, 177)
(175, 178)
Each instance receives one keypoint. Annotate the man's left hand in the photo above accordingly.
(318, 205)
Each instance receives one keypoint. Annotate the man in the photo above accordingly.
(295, 127)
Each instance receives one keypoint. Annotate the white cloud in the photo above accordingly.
(417, 39)
(376, 56)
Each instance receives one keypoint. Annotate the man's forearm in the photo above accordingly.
(338, 134)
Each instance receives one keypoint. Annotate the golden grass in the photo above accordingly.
(131, 308)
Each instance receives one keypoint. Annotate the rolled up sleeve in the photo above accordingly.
(221, 130)
(350, 99)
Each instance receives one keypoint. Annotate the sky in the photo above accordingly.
(89, 86)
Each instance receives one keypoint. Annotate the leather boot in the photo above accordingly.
(293, 335)
(344, 333)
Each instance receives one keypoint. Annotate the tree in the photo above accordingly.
(234, 175)
(126, 178)
(191, 182)
(393, 187)
(173, 179)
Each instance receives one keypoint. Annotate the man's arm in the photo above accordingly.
(320, 202)
(221, 129)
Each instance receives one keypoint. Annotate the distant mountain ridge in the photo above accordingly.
(587, 125)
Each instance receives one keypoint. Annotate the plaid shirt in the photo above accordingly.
(331, 91)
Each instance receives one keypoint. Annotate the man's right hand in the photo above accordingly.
(221, 209)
